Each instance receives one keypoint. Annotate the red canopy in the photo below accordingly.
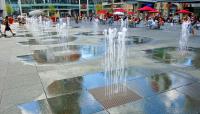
(120, 10)
(146, 8)
(102, 12)
(184, 11)
(130, 13)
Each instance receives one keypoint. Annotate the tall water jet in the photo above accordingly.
(68, 21)
(124, 23)
(95, 24)
(115, 62)
(183, 42)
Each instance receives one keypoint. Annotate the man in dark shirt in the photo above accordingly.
(7, 26)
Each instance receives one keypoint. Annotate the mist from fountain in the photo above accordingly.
(95, 24)
(115, 62)
(68, 21)
(183, 42)
(124, 23)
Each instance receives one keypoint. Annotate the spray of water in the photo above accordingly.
(183, 42)
(96, 28)
(115, 62)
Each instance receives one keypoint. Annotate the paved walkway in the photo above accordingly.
(31, 84)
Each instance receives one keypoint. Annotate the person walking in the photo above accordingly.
(7, 27)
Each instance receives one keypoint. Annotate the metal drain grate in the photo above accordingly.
(116, 99)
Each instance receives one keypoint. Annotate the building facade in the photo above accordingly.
(2, 7)
(78, 7)
(63, 7)
(172, 6)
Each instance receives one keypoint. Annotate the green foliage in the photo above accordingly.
(9, 9)
(99, 7)
(52, 9)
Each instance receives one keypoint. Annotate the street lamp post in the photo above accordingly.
(79, 2)
(87, 7)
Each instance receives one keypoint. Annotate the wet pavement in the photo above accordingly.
(51, 75)
(131, 40)
(63, 54)
(171, 55)
(98, 33)
(75, 103)
(162, 93)
(48, 41)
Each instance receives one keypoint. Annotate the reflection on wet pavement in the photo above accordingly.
(25, 35)
(157, 83)
(90, 33)
(191, 90)
(62, 54)
(170, 55)
(139, 107)
(50, 40)
(169, 93)
(137, 40)
(88, 81)
(75, 103)
(65, 86)
(173, 102)
(35, 107)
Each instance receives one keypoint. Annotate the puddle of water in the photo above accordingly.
(65, 86)
(74, 103)
(40, 35)
(174, 102)
(170, 55)
(25, 35)
(153, 84)
(69, 53)
(171, 102)
(70, 95)
(90, 33)
(131, 40)
(48, 41)
(134, 40)
(35, 107)
(95, 80)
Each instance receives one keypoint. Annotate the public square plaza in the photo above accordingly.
(46, 71)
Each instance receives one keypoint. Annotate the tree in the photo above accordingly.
(52, 9)
(9, 9)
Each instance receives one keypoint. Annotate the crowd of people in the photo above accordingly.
(150, 21)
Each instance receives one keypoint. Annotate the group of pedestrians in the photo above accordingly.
(5, 22)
